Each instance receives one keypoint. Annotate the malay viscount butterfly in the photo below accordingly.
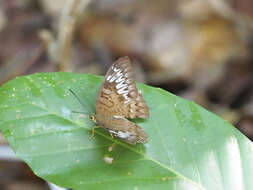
(118, 99)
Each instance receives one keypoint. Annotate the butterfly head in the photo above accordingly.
(93, 118)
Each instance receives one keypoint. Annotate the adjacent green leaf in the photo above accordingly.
(189, 147)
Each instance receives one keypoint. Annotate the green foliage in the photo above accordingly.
(189, 147)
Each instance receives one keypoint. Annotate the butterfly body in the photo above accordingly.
(118, 99)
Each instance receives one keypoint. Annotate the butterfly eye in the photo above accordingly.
(92, 118)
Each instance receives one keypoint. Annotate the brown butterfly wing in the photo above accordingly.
(118, 94)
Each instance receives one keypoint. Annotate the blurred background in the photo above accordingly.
(201, 50)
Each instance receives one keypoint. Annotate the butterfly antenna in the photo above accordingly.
(79, 112)
(79, 100)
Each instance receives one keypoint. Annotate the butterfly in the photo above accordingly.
(118, 100)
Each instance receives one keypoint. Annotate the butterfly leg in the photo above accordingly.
(93, 131)
(111, 135)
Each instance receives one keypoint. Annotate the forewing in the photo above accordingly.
(118, 94)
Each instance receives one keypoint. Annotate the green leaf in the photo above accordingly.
(189, 147)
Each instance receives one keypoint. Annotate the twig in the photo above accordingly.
(227, 11)
(73, 9)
